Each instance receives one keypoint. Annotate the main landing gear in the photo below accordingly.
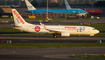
(54, 36)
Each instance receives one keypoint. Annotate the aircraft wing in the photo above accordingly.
(52, 31)
(62, 32)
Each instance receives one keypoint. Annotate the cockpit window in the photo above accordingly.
(94, 29)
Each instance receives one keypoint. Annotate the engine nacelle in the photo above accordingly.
(65, 34)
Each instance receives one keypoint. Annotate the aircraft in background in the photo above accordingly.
(32, 9)
(67, 5)
(62, 30)
(94, 11)
(90, 11)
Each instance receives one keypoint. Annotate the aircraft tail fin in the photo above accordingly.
(18, 18)
(67, 5)
(29, 5)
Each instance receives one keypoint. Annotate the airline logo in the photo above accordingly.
(92, 11)
(81, 29)
(71, 27)
(37, 29)
(17, 20)
(18, 17)
(30, 7)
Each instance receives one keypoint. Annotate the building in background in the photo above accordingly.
(10, 2)
(53, 1)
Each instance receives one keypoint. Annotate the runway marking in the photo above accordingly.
(8, 52)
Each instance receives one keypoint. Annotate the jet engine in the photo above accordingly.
(65, 34)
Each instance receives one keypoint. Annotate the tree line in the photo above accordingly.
(99, 4)
(44, 4)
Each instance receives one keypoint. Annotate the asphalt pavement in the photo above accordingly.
(50, 53)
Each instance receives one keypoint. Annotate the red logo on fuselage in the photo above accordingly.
(17, 15)
(71, 27)
(37, 28)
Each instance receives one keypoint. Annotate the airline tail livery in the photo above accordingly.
(19, 21)
(64, 30)
(67, 5)
(29, 5)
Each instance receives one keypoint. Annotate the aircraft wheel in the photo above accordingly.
(54, 36)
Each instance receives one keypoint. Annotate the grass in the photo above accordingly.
(6, 18)
(100, 35)
(90, 57)
(8, 30)
(100, 27)
(50, 45)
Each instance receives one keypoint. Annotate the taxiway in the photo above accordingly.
(53, 40)
(49, 53)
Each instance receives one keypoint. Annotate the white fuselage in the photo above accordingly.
(73, 30)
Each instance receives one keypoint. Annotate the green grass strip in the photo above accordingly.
(49, 45)
(9, 30)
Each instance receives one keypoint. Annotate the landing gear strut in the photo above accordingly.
(54, 36)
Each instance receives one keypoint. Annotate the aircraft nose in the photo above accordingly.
(101, 12)
(97, 31)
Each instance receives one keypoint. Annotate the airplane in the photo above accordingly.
(32, 9)
(90, 11)
(94, 11)
(67, 5)
(62, 30)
